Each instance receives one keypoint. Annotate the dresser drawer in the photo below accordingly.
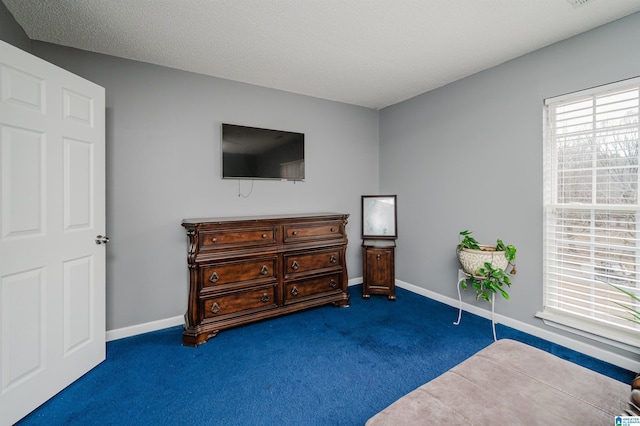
(300, 290)
(297, 232)
(228, 238)
(247, 271)
(239, 302)
(315, 261)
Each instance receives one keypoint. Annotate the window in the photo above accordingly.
(592, 211)
(293, 170)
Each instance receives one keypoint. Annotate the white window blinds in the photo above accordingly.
(591, 210)
(293, 170)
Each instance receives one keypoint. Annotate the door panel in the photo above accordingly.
(78, 299)
(22, 88)
(78, 173)
(22, 358)
(52, 189)
(23, 182)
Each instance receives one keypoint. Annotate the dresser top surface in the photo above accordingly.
(196, 221)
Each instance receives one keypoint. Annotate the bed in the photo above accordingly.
(511, 383)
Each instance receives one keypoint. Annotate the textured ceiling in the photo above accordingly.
(372, 53)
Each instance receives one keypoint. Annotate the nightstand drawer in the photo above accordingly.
(378, 268)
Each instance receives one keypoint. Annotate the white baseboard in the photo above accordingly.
(134, 330)
(598, 353)
(355, 281)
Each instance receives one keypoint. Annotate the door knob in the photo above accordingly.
(102, 239)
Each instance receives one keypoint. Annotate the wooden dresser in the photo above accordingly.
(246, 269)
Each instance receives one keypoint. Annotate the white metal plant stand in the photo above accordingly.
(463, 275)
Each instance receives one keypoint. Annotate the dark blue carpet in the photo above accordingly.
(324, 366)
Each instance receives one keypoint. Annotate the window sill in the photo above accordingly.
(627, 340)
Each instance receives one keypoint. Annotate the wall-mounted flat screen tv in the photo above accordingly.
(253, 153)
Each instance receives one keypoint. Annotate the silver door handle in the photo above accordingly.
(102, 239)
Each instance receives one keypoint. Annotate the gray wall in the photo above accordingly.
(466, 156)
(11, 31)
(469, 156)
(163, 165)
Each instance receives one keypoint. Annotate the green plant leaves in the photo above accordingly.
(466, 241)
(487, 280)
(634, 313)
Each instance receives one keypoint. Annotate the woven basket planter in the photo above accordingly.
(472, 260)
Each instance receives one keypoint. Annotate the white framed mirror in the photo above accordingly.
(379, 219)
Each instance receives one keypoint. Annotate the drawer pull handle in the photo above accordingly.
(214, 278)
(333, 283)
(378, 256)
(294, 291)
(295, 265)
(215, 308)
(214, 240)
(265, 298)
(295, 233)
(264, 270)
(333, 259)
(264, 235)
(333, 229)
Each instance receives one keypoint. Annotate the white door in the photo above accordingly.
(52, 207)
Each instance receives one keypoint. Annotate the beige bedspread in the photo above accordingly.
(511, 383)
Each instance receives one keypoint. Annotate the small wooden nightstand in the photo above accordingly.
(378, 268)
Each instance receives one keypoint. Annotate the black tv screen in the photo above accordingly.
(254, 153)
